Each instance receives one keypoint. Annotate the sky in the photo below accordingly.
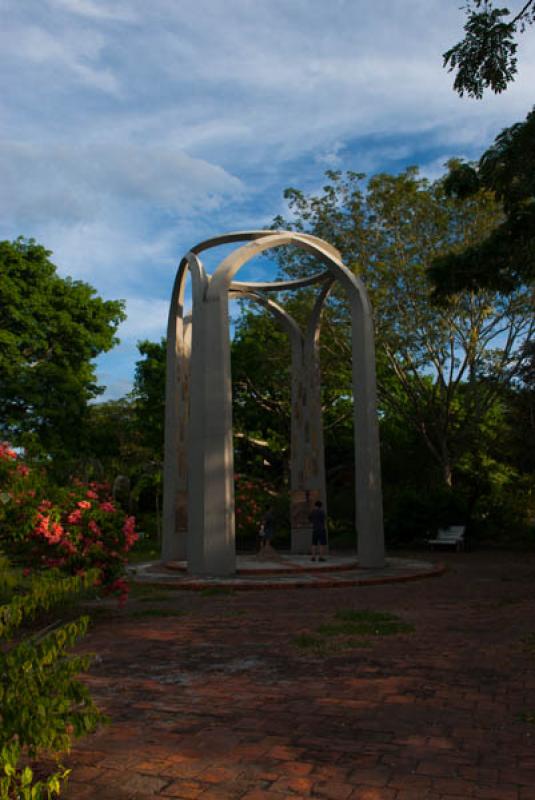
(131, 130)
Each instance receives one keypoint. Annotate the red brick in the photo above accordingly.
(183, 789)
(285, 753)
(297, 785)
(333, 791)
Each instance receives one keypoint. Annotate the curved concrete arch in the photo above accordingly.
(178, 354)
(247, 236)
(211, 503)
(281, 286)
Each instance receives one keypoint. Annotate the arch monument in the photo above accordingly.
(198, 508)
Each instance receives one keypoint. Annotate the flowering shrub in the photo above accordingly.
(252, 496)
(73, 529)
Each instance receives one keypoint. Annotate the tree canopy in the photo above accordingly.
(440, 368)
(51, 329)
(505, 258)
(486, 57)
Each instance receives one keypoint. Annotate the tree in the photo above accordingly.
(505, 258)
(51, 329)
(149, 394)
(439, 368)
(486, 57)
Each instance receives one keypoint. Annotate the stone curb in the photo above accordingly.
(235, 584)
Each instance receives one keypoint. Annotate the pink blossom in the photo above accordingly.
(107, 506)
(92, 495)
(84, 504)
(6, 452)
(94, 528)
(129, 532)
(75, 517)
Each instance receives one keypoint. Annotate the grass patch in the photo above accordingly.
(351, 629)
(364, 623)
(215, 591)
(147, 592)
(322, 646)
(156, 612)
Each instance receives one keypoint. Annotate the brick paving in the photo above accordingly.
(219, 702)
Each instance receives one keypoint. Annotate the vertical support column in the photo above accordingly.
(311, 479)
(368, 498)
(211, 538)
(175, 521)
(300, 526)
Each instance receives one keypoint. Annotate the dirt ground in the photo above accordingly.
(238, 695)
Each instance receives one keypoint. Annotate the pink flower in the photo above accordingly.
(107, 506)
(84, 504)
(23, 470)
(75, 517)
(92, 495)
(129, 532)
(94, 528)
(6, 452)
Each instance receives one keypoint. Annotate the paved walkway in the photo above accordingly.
(212, 694)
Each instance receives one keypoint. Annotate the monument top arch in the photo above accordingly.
(198, 468)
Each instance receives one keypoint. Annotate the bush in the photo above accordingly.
(412, 515)
(73, 529)
(42, 704)
(252, 497)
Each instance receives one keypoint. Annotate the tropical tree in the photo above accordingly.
(505, 258)
(51, 330)
(440, 369)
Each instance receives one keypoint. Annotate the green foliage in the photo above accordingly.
(350, 629)
(42, 704)
(149, 394)
(441, 370)
(486, 57)
(74, 529)
(364, 623)
(51, 329)
(505, 258)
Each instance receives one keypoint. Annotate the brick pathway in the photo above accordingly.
(219, 701)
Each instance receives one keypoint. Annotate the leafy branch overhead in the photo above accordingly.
(486, 57)
(505, 258)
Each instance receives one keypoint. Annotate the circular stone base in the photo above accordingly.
(275, 571)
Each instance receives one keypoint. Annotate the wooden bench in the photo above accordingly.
(452, 536)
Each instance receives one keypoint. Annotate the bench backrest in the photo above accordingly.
(452, 534)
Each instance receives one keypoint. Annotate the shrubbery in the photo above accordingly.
(73, 529)
(62, 540)
(42, 704)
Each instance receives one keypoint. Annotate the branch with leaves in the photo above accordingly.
(486, 57)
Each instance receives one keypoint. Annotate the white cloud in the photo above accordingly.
(78, 182)
(97, 11)
(147, 318)
(75, 56)
(131, 130)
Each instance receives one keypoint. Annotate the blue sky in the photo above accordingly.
(130, 130)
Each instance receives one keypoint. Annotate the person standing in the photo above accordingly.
(268, 528)
(319, 531)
